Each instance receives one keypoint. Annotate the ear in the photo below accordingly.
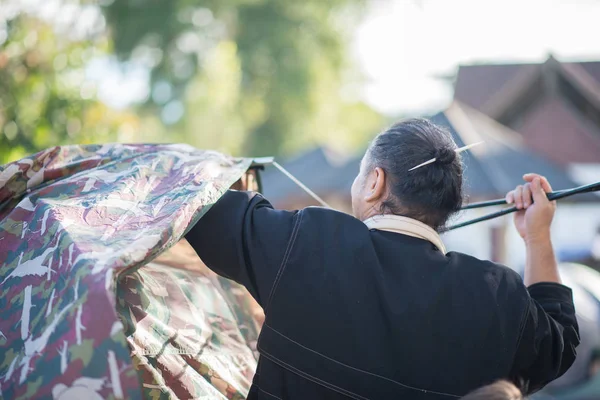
(375, 185)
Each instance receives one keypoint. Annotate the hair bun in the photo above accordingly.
(445, 155)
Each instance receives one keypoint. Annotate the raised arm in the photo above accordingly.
(244, 239)
(550, 332)
(533, 224)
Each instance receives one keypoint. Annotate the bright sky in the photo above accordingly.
(403, 44)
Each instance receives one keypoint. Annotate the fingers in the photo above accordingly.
(530, 176)
(522, 196)
(518, 193)
(546, 185)
(538, 191)
(544, 182)
(527, 200)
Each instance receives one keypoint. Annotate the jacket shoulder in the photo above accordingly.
(471, 266)
(325, 215)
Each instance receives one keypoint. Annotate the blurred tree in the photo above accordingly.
(45, 99)
(251, 76)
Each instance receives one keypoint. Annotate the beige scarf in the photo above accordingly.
(406, 226)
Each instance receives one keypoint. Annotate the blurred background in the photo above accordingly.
(311, 82)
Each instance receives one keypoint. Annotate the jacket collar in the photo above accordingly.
(405, 226)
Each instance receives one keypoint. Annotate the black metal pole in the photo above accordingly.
(592, 187)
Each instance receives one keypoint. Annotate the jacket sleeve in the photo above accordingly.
(550, 334)
(243, 238)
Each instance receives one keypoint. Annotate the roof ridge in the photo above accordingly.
(524, 79)
(463, 125)
(457, 117)
(586, 83)
(503, 134)
(300, 155)
(581, 119)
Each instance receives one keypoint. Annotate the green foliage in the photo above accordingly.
(255, 75)
(44, 97)
(248, 77)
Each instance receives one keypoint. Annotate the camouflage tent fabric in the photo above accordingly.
(73, 221)
(187, 326)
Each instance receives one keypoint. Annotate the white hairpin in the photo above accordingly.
(459, 150)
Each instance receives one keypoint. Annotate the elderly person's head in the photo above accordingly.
(384, 185)
(501, 390)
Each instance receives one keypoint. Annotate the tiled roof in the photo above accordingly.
(479, 85)
(491, 170)
(555, 106)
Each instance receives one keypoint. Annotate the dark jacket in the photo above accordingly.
(353, 313)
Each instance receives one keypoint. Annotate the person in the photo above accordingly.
(501, 390)
(372, 306)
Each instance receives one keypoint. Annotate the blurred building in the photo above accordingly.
(555, 106)
(541, 118)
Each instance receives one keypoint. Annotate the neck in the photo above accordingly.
(378, 210)
(370, 213)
